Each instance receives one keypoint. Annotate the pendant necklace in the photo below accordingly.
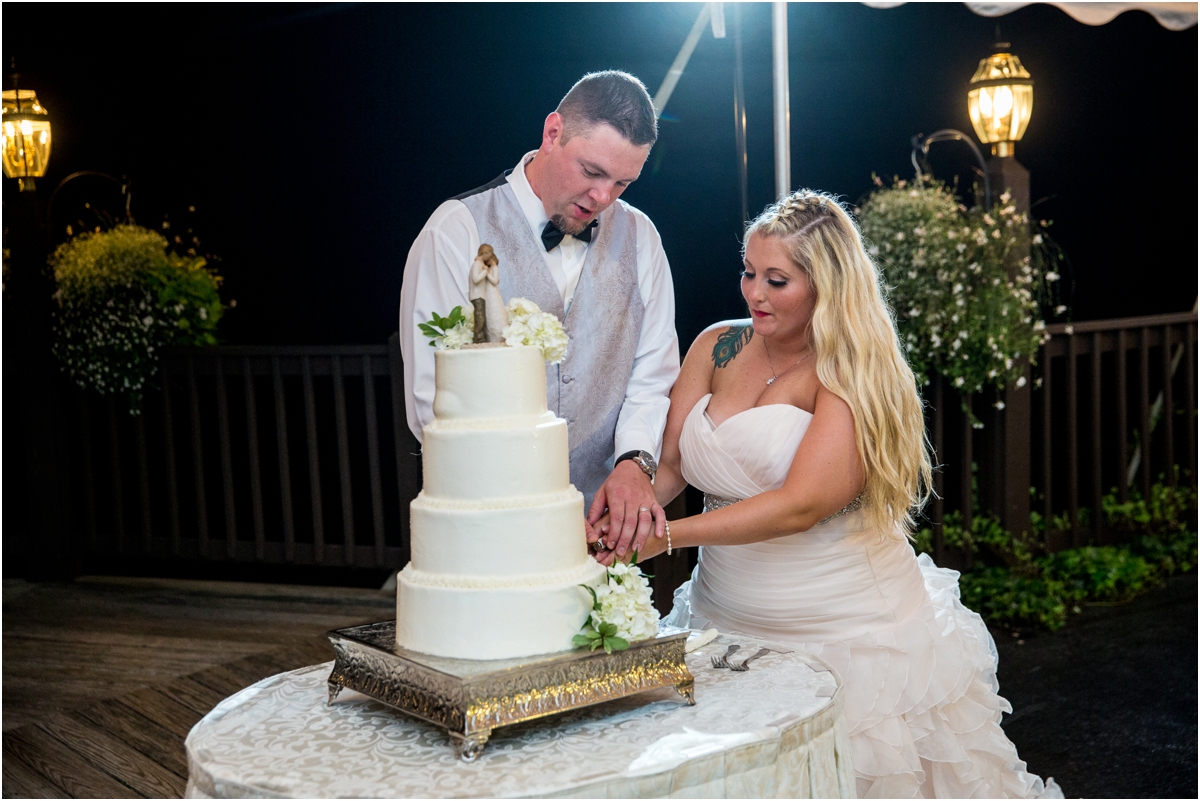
(775, 376)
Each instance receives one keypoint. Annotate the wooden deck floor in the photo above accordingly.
(104, 677)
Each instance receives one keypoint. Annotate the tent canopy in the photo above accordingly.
(1173, 16)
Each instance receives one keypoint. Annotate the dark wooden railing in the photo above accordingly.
(295, 455)
(1112, 405)
(301, 455)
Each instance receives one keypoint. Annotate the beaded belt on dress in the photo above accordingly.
(714, 502)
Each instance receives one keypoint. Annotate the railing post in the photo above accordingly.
(1018, 423)
(939, 478)
(408, 459)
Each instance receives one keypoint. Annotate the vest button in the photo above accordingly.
(566, 379)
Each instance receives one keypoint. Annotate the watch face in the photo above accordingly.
(647, 463)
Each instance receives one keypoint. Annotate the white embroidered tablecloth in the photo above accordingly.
(775, 731)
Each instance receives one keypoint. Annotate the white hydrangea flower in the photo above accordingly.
(520, 308)
(625, 602)
(529, 325)
(458, 336)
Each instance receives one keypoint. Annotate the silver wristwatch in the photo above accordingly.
(642, 459)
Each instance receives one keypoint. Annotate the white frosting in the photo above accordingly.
(500, 623)
(580, 574)
(495, 462)
(479, 423)
(497, 533)
(511, 502)
(498, 542)
(489, 382)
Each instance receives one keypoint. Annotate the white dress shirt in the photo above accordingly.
(436, 280)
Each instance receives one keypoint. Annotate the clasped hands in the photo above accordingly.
(623, 514)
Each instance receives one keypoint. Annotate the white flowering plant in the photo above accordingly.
(970, 288)
(122, 296)
(452, 331)
(529, 325)
(622, 611)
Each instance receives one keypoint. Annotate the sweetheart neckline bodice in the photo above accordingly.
(708, 398)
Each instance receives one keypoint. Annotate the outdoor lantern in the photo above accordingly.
(1000, 101)
(24, 137)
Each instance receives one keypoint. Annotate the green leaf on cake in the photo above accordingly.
(438, 326)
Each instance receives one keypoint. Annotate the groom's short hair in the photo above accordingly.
(612, 97)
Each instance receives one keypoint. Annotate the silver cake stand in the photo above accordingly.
(469, 698)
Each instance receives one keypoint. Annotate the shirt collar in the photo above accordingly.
(531, 205)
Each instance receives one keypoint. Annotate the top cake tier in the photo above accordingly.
(489, 382)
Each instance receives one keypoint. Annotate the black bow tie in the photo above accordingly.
(551, 236)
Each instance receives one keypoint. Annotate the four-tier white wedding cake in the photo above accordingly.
(497, 533)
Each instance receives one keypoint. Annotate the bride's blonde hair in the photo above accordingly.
(859, 357)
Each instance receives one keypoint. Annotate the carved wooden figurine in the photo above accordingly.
(490, 314)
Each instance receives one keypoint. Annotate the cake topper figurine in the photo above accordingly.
(490, 314)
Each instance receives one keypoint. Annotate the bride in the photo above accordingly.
(804, 429)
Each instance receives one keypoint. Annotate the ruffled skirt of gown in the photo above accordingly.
(922, 701)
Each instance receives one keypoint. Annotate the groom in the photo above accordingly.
(565, 243)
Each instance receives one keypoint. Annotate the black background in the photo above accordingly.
(315, 140)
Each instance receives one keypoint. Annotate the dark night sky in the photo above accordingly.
(315, 140)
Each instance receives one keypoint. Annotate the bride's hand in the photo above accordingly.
(594, 533)
(608, 557)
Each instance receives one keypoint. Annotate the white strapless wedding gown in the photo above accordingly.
(918, 668)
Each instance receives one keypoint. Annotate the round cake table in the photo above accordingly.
(774, 731)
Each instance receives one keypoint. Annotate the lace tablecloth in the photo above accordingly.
(775, 731)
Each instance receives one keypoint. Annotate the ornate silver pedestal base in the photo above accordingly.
(471, 697)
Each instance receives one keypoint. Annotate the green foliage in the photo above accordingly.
(602, 636)
(1013, 583)
(123, 296)
(947, 268)
(606, 638)
(439, 326)
(1005, 598)
(1099, 573)
(1166, 514)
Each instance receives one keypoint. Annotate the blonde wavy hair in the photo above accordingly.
(859, 356)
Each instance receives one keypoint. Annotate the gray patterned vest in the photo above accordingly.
(603, 322)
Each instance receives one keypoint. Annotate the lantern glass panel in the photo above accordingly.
(1000, 112)
(25, 139)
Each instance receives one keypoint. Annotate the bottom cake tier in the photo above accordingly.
(467, 617)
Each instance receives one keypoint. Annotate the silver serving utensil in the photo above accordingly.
(746, 665)
(723, 660)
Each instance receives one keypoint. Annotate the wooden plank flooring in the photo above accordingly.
(104, 677)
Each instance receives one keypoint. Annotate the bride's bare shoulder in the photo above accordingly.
(739, 330)
(724, 325)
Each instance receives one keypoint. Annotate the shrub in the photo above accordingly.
(1099, 574)
(122, 297)
(948, 270)
(1012, 585)
(1006, 599)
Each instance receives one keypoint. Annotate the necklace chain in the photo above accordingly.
(775, 376)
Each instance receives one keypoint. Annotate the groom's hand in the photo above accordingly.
(634, 513)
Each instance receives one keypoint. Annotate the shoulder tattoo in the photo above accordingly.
(730, 343)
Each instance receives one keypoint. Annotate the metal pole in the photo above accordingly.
(677, 66)
(739, 112)
(783, 121)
